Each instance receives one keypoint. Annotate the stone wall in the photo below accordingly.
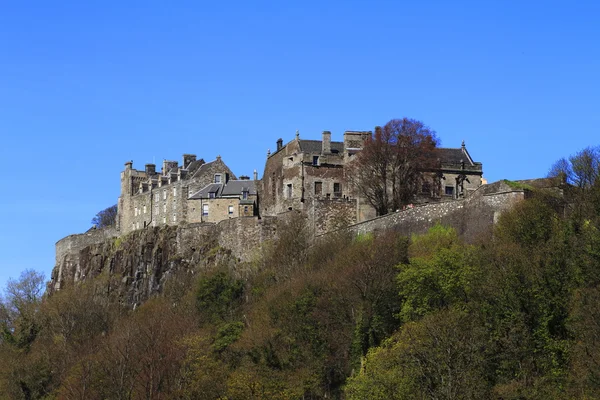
(244, 235)
(326, 215)
(472, 217)
(68, 250)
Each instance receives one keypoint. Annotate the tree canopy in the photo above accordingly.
(106, 217)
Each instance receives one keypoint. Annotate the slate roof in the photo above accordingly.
(215, 188)
(194, 165)
(203, 167)
(316, 146)
(236, 187)
(232, 188)
(455, 156)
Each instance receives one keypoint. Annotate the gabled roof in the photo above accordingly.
(231, 188)
(316, 146)
(203, 193)
(203, 167)
(236, 187)
(455, 156)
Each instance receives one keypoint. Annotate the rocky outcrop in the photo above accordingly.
(138, 265)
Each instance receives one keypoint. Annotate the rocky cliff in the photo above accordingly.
(139, 264)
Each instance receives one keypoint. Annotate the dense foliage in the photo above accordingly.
(106, 217)
(516, 316)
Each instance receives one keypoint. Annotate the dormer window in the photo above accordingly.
(245, 194)
(217, 178)
(211, 195)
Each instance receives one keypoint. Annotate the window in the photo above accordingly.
(174, 192)
(337, 189)
(144, 209)
(245, 209)
(289, 191)
(245, 194)
(217, 178)
(157, 210)
(318, 188)
(164, 194)
(156, 197)
(211, 195)
(135, 212)
(315, 160)
(230, 210)
(174, 217)
(164, 220)
(205, 209)
(449, 190)
(165, 208)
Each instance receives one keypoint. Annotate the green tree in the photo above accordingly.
(439, 357)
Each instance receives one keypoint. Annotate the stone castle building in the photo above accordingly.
(196, 191)
(310, 176)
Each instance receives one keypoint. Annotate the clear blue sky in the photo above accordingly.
(86, 86)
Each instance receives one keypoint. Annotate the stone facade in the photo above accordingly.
(473, 217)
(149, 198)
(304, 174)
(144, 259)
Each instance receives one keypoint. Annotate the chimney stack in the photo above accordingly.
(279, 144)
(188, 159)
(326, 149)
(255, 175)
(150, 169)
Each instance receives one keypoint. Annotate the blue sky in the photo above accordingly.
(86, 86)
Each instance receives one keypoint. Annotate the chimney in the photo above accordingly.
(326, 149)
(279, 144)
(188, 159)
(150, 169)
(255, 175)
(168, 166)
(244, 178)
(128, 164)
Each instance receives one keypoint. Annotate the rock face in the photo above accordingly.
(139, 264)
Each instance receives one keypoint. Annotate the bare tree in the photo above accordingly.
(389, 171)
(582, 172)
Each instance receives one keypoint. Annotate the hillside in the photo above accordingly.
(379, 315)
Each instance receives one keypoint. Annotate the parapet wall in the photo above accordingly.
(473, 217)
(244, 235)
(69, 248)
(74, 243)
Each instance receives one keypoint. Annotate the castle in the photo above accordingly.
(310, 176)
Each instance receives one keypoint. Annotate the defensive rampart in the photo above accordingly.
(472, 217)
